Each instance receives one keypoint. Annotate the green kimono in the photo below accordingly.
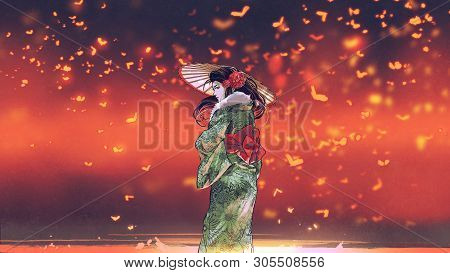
(227, 226)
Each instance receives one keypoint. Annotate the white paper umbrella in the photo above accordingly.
(197, 76)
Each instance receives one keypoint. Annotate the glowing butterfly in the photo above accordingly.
(360, 74)
(415, 21)
(128, 197)
(115, 218)
(215, 52)
(353, 11)
(316, 37)
(278, 23)
(316, 96)
(316, 122)
(342, 141)
(395, 65)
(322, 14)
(80, 98)
(277, 190)
(294, 161)
(101, 41)
(378, 185)
(131, 119)
(88, 164)
(240, 13)
(325, 212)
(383, 163)
(117, 149)
(321, 181)
(129, 64)
(93, 51)
(365, 115)
(402, 117)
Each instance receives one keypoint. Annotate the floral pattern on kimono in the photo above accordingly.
(227, 226)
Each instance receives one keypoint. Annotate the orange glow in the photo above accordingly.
(115, 218)
(270, 213)
(325, 212)
(128, 197)
(278, 23)
(240, 13)
(351, 42)
(316, 96)
(323, 15)
(101, 41)
(69, 117)
(293, 162)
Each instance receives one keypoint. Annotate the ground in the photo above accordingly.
(188, 244)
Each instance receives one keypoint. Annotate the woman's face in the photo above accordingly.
(218, 89)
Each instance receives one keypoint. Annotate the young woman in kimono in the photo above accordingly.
(230, 152)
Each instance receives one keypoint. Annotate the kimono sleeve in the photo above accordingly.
(213, 159)
(210, 138)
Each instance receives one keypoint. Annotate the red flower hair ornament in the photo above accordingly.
(236, 80)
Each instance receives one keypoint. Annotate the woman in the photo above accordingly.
(230, 153)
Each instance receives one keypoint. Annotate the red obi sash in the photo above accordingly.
(245, 143)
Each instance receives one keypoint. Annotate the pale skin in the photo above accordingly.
(219, 90)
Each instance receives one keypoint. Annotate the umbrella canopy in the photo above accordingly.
(197, 76)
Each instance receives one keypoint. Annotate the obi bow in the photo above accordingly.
(246, 144)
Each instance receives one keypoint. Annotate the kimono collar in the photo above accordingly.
(233, 99)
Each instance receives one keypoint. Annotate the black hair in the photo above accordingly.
(249, 88)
